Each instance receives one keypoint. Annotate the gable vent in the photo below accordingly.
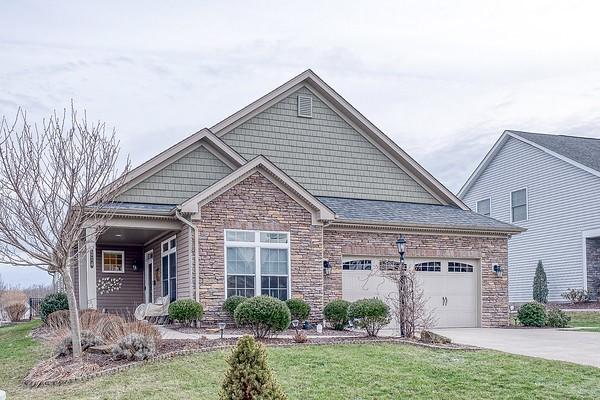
(305, 106)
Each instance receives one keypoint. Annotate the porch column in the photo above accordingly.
(90, 268)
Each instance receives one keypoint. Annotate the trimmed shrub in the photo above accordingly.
(299, 309)
(15, 311)
(186, 311)
(134, 346)
(557, 318)
(53, 302)
(88, 339)
(231, 304)
(369, 314)
(336, 313)
(540, 284)
(576, 296)
(265, 315)
(532, 314)
(60, 320)
(248, 375)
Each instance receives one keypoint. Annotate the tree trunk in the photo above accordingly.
(73, 312)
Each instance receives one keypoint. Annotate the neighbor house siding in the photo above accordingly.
(131, 294)
(562, 202)
(179, 180)
(324, 153)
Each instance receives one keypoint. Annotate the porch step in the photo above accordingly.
(104, 349)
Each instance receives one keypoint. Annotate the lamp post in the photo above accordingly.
(401, 244)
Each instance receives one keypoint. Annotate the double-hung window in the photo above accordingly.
(257, 263)
(484, 207)
(169, 267)
(518, 205)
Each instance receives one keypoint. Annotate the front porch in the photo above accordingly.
(133, 261)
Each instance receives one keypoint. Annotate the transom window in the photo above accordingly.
(484, 207)
(518, 205)
(113, 261)
(429, 266)
(459, 267)
(257, 263)
(357, 265)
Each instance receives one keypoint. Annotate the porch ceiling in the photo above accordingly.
(129, 236)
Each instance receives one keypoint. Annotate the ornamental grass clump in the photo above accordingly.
(336, 313)
(248, 376)
(369, 314)
(88, 339)
(134, 347)
(299, 309)
(185, 311)
(264, 315)
(532, 314)
(59, 320)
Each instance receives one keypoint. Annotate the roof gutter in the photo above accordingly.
(196, 254)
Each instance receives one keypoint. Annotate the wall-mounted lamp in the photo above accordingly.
(134, 265)
(497, 270)
(327, 267)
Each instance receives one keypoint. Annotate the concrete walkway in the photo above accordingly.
(551, 344)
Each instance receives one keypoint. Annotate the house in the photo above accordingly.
(295, 195)
(550, 185)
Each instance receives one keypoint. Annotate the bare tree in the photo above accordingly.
(55, 181)
(405, 297)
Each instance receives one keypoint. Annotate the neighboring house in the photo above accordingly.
(265, 201)
(550, 185)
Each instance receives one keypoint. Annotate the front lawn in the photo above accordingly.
(374, 371)
(588, 319)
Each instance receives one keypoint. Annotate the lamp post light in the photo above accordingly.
(295, 325)
(222, 328)
(401, 244)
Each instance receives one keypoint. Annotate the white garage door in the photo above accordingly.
(451, 286)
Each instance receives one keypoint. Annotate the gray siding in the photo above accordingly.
(179, 180)
(324, 154)
(563, 202)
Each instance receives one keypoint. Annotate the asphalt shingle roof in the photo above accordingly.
(427, 215)
(585, 151)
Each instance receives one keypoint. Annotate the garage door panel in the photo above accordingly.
(452, 295)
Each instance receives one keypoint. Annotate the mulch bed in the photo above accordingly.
(243, 331)
(62, 370)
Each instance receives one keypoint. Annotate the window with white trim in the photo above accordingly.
(518, 205)
(113, 262)
(257, 263)
(169, 268)
(429, 266)
(357, 265)
(484, 207)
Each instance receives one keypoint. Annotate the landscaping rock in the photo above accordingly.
(430, 337)
(104, 349)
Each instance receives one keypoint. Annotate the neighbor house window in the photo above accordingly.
(113, 262)
(484, 207)
(169, 268)
(357, 265)
(518, 205)
(257, 263)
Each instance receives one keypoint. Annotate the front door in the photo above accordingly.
(149, 277)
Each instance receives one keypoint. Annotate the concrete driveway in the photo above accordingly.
(552, 344)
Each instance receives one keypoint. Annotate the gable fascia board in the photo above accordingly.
(201, 138)
(367, 129)
(555, 154)
(262, 165)
(483, 164)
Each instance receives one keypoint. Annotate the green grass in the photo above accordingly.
(588, 320)
(377, 371)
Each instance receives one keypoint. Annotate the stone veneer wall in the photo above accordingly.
(490, 250)
(257, 204)
(592, 247)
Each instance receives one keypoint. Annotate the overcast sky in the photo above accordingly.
(442, 79)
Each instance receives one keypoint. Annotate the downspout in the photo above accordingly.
(196, 255)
